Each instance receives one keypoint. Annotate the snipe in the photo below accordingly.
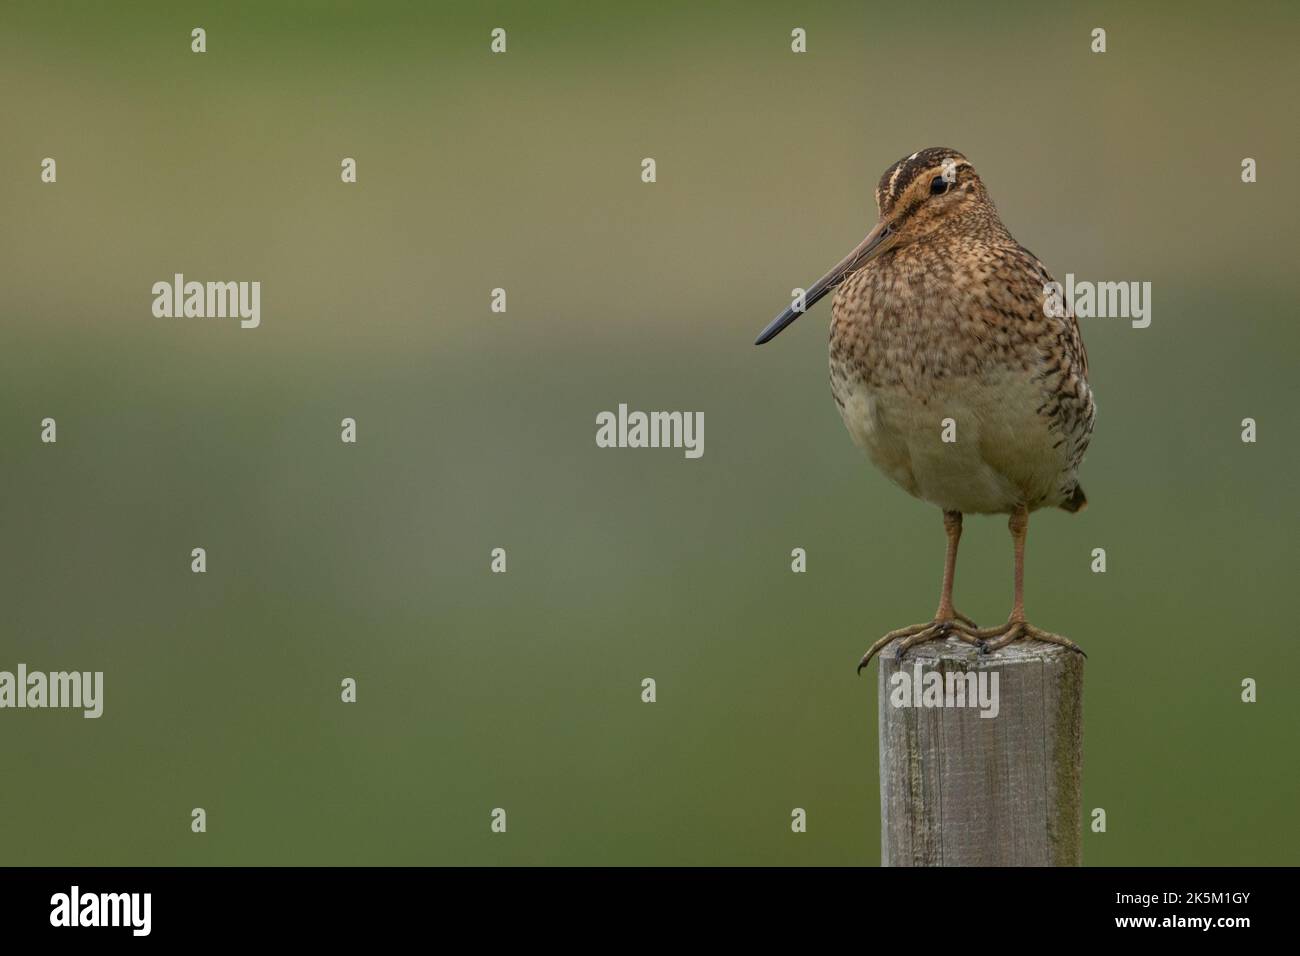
(950, 372)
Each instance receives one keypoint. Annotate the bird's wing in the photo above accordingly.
(1065, 329)
(1061, 369)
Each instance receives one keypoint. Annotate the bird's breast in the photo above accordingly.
(946, 401)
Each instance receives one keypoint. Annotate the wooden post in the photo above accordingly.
(958, 789)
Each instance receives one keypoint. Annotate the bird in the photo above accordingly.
(954, 375)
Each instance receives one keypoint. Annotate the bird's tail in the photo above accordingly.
(1077, 500)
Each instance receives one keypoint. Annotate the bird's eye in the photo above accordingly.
(938, 186)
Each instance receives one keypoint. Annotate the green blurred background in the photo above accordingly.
(477, 430)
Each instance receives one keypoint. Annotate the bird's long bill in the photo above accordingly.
(878, 240)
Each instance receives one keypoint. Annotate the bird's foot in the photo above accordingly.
(938, 629)
(990, 639)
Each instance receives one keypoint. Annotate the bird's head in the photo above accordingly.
(915, 196)
(921, 192)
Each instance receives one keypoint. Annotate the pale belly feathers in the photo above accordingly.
(971, 445)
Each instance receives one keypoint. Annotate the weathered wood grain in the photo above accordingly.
(958, 789)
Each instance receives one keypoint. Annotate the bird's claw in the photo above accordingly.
(986, 640)
(909, 637)
(995, 638)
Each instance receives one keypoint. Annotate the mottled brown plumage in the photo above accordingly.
(950, 373)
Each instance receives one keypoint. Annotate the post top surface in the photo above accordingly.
(957, 650)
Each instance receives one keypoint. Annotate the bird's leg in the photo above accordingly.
(946, 612)
(946, 618)
(1017, 627)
